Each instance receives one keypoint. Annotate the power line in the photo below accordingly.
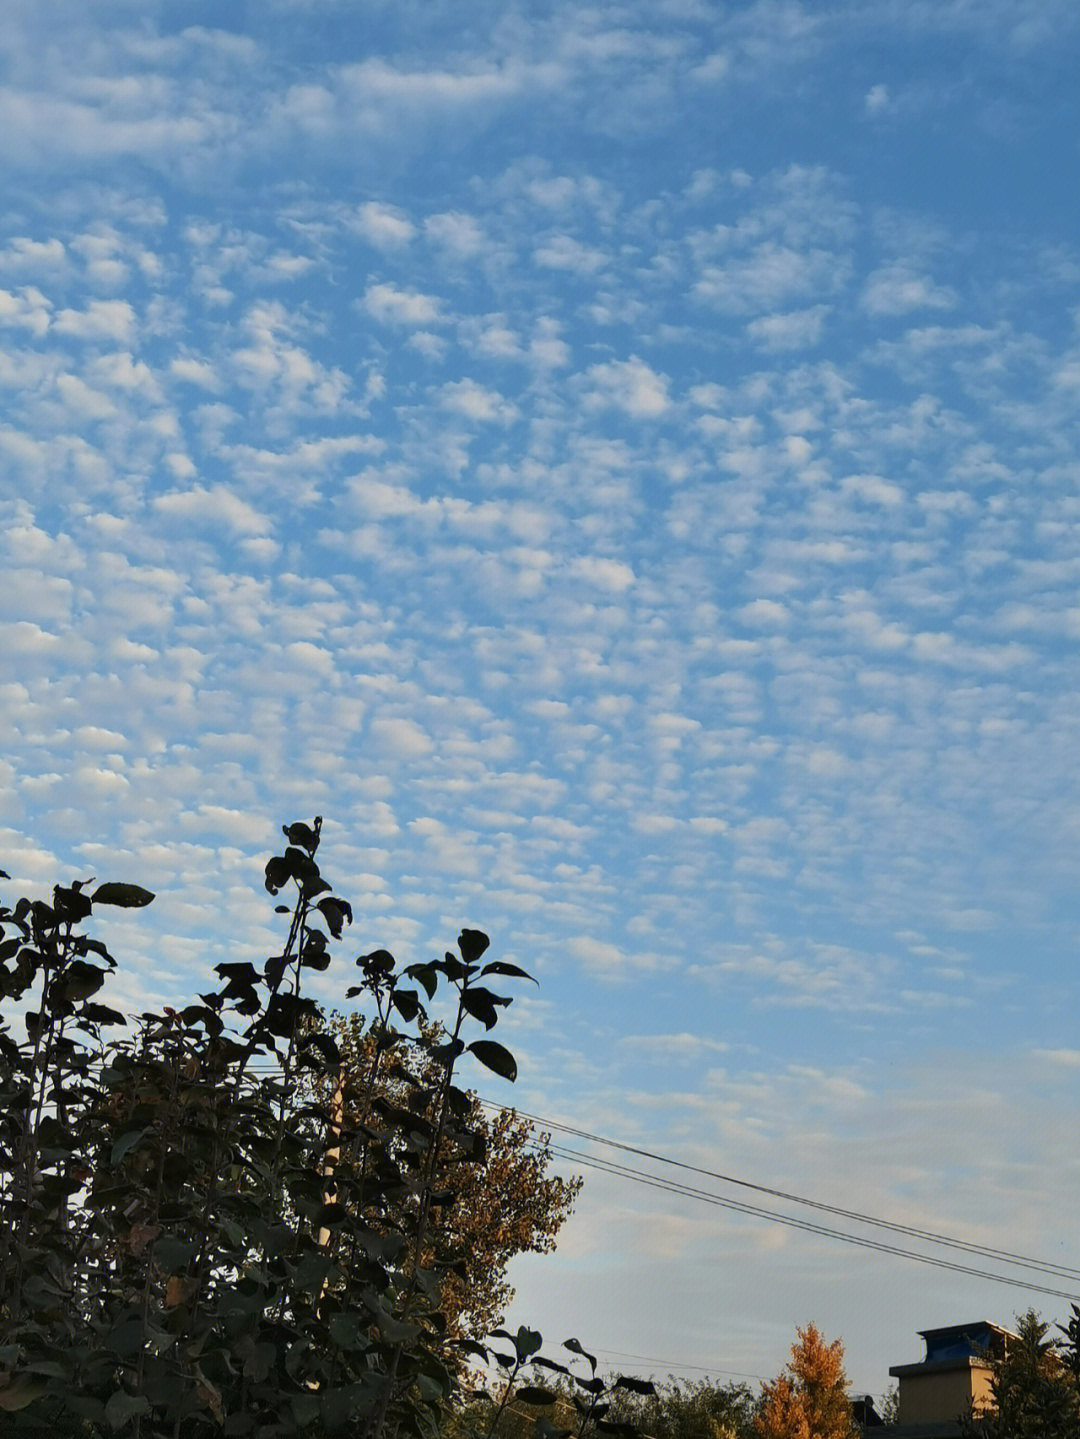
(911, 1231)
(807, 1225)
(963, 1246)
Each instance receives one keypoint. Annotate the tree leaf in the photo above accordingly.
(173, 1254)
(179, 1289)
(502, 966)
(78, 981)
(407, 1003)
(495, 1057)
(425, 975)
(125, 896)
(125, 1144)
(527, 1342)
(574, 1345)
(277, 874)
(123, 1407)
(22, 1390)
(472, 943)
(301, 834)
(546, 1430)
(335, 912)
(397, 1331)
(101, 1014)
(534, 1394)
(483, 1005)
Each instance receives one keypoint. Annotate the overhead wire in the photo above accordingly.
(985, 1251)
(937, 1238)
(807, 1225)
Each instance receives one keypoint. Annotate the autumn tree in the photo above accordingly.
(496, 1200)
(809, 1399)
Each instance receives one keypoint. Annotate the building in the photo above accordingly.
(953, 1380)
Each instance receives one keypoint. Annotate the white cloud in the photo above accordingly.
(603, 573)
(682, 1048)
(631, 386)
(390, 305)
(385, 226)
(218, 506)
(27, 309)
(456, 231)
(196, 372)
(764, 614)
(101, 320)
(896, 289)
(872, 489)
(466, 397)
(563, 252)
(400, 738)
(793, 330)
(609, 961)
(23, 254)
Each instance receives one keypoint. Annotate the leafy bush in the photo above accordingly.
(194, 1240)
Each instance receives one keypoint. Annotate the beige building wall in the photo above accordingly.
(946, 1394)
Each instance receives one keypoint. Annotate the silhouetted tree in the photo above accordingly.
(1034, 1386)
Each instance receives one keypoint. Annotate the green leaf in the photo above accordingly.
(396, 1331)
(172, 1254)
(79, 981)
(472, 943)
(314, 954)
(407, 1003)
(541, 1363)
(101, 1014)
(337, 1406)
(591, 1386)
(305, 1408)
(122, 1408)
(329, 1055)
(125, 1144)
(534, 1394)
(335, 912)
(125, 896)
(526, 1341)
(451, 966)
(21, 1391)
(502, 966)
(544, 1429)
(495, 1057)
(636, 1386)
(345, 1329)
(574, 1345)
(425, 975)
(301, 834)
(71, 904)
(329, 1216)
(278, 873)
(239, 974)
(483, 1005)
(126, 1338)
(470, 1346)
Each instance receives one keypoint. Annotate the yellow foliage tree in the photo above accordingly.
(809, 1400)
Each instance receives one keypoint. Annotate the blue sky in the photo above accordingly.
(619, 465)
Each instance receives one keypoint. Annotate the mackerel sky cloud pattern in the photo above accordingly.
(618, 465)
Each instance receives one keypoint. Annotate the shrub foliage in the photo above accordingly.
(195, 1239)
